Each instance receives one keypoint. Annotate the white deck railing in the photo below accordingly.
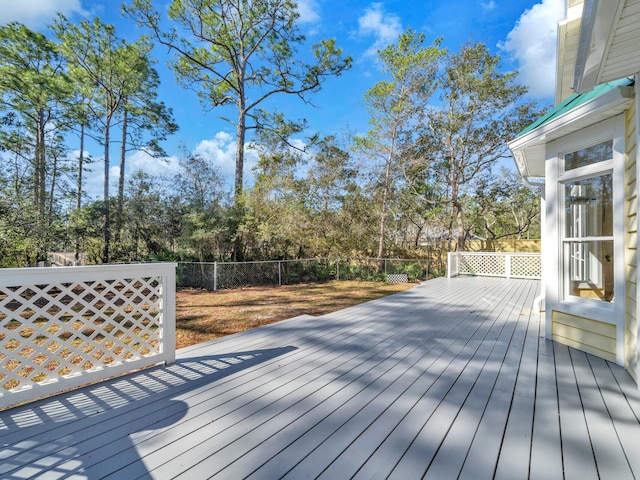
(493, 264)
(64, 327)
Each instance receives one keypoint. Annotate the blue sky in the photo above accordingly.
(523, 32)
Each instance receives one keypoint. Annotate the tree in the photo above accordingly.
(396, 108)
(240, 53)
(505, 207)
(145, 121)
(330, 177)
(35, 91)
(463, 136)
(200, 196)
(112, 68)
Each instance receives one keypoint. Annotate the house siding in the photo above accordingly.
(631, 242)
(591, 336)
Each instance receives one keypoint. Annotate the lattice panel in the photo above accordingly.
(58, 330)
(526, 266)
(482, 265)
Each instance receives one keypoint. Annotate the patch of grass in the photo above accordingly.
(203, 315)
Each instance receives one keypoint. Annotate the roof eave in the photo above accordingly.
(528, 150)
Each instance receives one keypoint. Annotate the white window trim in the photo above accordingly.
(606, 312)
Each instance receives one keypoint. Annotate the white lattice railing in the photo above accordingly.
(64, 327)
(493, 264)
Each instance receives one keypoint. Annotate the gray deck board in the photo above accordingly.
(546, 446)
(451, 379)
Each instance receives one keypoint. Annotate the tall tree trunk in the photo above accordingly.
(123, 151)
(241, 131)
(460, 223)
(40, 188)
(383, 212)
(107, 220)
(79, 193)
(54, 175)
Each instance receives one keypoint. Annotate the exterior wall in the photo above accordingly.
(590, 325)
(591, 336)
(631, 241)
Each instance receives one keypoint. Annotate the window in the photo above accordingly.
(587, 241)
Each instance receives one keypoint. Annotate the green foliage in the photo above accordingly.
(439, 123)
(240, 53)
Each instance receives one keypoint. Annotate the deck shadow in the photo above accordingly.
(59, 434)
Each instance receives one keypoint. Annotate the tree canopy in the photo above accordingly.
(426, 175)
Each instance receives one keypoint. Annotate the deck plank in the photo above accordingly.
(610, 457)
(484, 451)
(451, 379)
(344, 445)
(270, 428)
(546, 446)
(577, 452)
(450, 458)
(515, 454)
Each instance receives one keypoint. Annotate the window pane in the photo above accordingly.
(589, 207)
(590, 155)
(590, 269)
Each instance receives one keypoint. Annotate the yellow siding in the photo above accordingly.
(631, 242)
(588, 335)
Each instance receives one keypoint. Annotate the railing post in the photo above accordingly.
(215, 276)
(507, 265)
(450, 272)
(169, 315)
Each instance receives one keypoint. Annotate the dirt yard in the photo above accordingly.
(203, 315)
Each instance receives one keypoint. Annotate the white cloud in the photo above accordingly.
(139, 161)
(308, 11)
(37, 13)
(385, 27)
(221, 151)
(532, 42)
(142, 161)
(93, 180)
(488, 6)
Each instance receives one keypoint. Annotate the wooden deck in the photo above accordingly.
(451, 379)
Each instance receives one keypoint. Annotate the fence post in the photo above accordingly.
(279, 274)
(215, 276)
(450, 258)
(507, 265)
(337, 269)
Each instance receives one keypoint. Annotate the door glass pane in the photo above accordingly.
(590, 155)
(588, 237)
(589, 207)
(590, 269)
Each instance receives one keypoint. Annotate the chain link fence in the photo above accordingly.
(227, 275)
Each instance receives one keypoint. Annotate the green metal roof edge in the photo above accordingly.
(575, 101)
